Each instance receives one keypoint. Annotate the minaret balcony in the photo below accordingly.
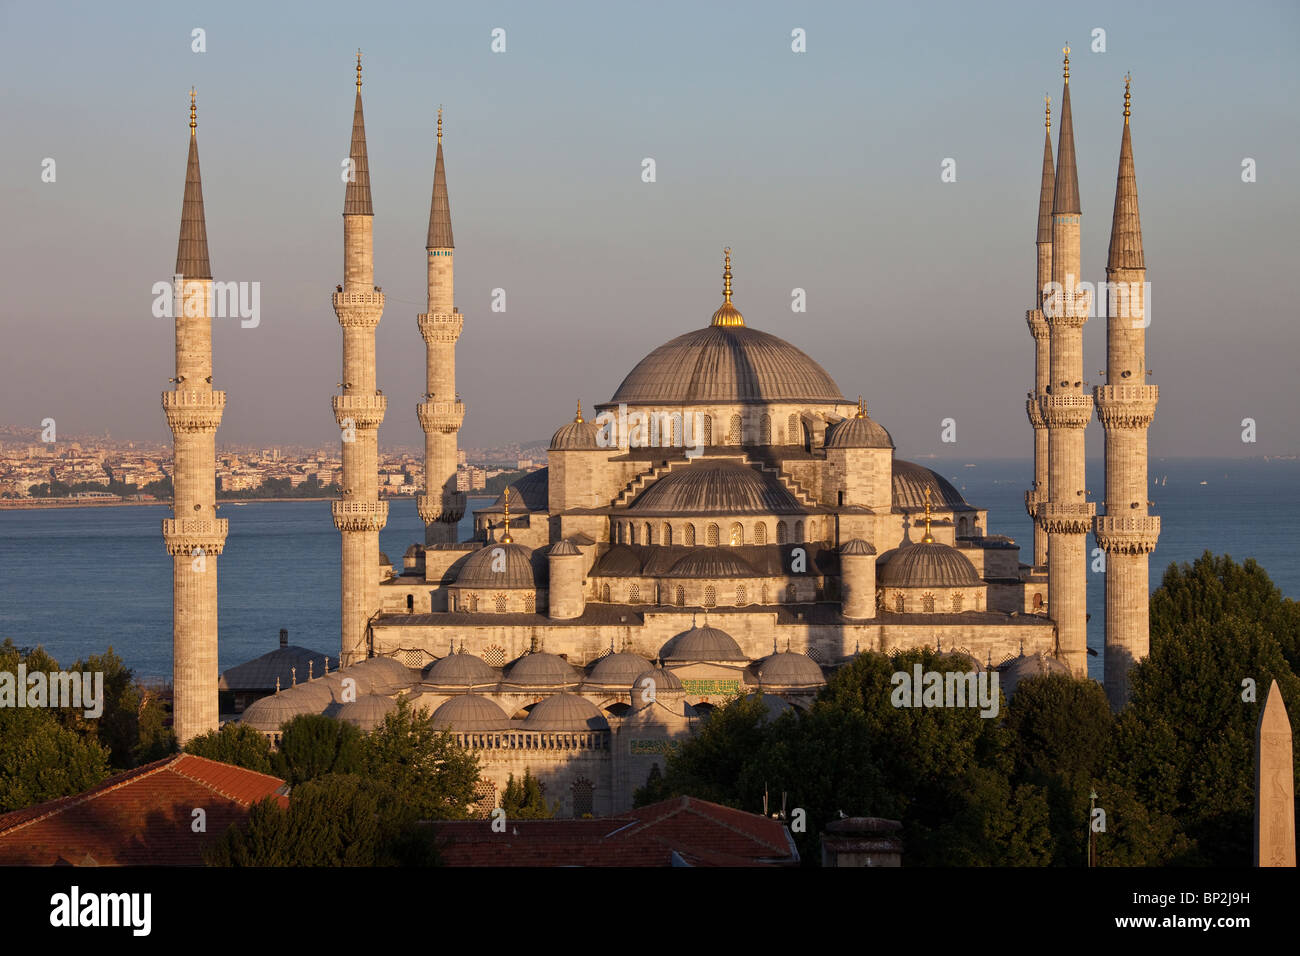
(440, 327)
(447, 508)
(359, 515)
(358, 309)
(184, 536)
(1127, 534)
(365, 411)
(1037, 324)
(191, 410)
(445, 417)
(1067, 310)
(1035, 412)
(1126, 406)
(1066, 411)
(1057, 517)
(1033, 498)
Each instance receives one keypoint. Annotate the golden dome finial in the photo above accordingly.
(578, 418)
(193, 112)
(726, 274)
(1128, 78)
(929, 538)
(439, 124)
(727, 313)
(862, 408)
(505, 537)
(1066, 50)
(1048, 99)
(358, 69)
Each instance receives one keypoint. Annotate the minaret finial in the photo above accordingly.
(358, 69)
(1066, 50)
(1128, 78)
(577, 419)
(726, 275)
(929, 538)
(1048, 98)
(194, 112)
(439, 123)
(505, 537)
(862, 408)
(727, 313)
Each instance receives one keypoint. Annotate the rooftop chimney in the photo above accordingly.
(284, 637)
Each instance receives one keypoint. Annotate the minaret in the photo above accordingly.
(441, 413)
(1042, 351)
(194, 535)
(1067, 514)
(359, 514)
(1125, 406)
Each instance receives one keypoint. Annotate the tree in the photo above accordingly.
(312, 745)
(412, 757)
(236, 744)
(523, 799)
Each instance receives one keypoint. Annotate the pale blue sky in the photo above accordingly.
(820, 169)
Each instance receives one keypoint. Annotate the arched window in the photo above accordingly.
(500, 600)
(708, 429)
(900, 605)
(782, 533)
(956, 602)
(473, 602)
(634, 594)
(618, 531)
(631, 533)
(733, 433)
(737, 534)
(582, 798)
(962, 527)
(677, 432)
(1038, 600)
(798, 532)
(710, 596)
(495, 655)
(927, 602)
(410, 603)
(760, 533)
(604, 594)
(530, 603)
(791, 594)
(649, 534)
(666, 535)
(690, 536)
(681, 596)
(979, 600)
(765, 593)
(712, 538)
(741, 597)
(794, 430)
(765, 429)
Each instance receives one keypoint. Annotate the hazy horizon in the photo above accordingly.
(820, 169)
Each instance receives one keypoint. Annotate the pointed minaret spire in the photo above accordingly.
(1048, 190)
(356, 201)
(1066, 196)
(1042, 344)
(1126, 227)
(727, 313)
(440, 209)
(192, 247)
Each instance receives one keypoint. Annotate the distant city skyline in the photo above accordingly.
(820, 169)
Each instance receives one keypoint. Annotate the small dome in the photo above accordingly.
(385, 560)
(618, 561)
(712, 563)
(267, 714)
(314, 693)
(414, 551)
(541, 670)
(858, 432)
(565, 712)
(529, 493)
(703, 644)
(621, 669)
(856, 546)
(667, 685)
(774, 705)
(716, 487)
(498, 566)
(929, 565)
(470, 712)
(367, 712)
(564, 548)
(577, 435)
(1032, 665)
(788, 669)
(334, 681)
(910, 481)
(461, 670)
(387, 675)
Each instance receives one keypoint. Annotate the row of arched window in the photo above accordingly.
(793, 433)
(634, 532)
(956, 603)
(710, 596)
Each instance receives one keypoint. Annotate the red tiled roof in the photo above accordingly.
(142, 816)
(698, 832)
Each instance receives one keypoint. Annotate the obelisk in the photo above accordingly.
(1274, 785)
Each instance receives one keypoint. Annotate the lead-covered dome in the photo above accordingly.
(789, 669)
(621, 668)
(469, 713)
(565, 712)
(540, 669)
(711, 563)
(461, 670)
(858, 432)
(716, 487)
(501, 566)
(910, 481)
(703, 644)
(577, 435)
(929, 564)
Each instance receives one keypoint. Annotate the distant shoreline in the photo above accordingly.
(41, 504)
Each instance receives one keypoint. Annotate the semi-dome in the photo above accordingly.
(858, 432)
(540, 669)
(469, 713)
(529, 493)
(929, 564)
(267, 714)
(621, 668)
(667, 685)
(366, 712)
(716, 487)
(712, 563)
(501, 566)
(789, 669)
(856, 547)
(703, 644)
(461, 670)
(564, 548)
(565, 712)
(1028, 665)
(724, 364)
(910, 481)
(577, 435)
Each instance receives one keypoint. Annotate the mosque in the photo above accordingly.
(729, 523)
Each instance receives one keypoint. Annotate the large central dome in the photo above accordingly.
(726, 364)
